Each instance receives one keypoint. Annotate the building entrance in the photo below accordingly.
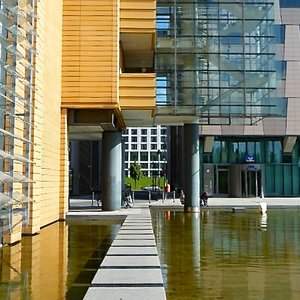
(222, 181)
(251, 183)
(246, 180)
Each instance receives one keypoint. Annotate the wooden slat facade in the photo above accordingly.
(90, 50)
(137, 16)
(137, 91)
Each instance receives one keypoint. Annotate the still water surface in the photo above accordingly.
(225, 255)
(57, 264)
(211, 255)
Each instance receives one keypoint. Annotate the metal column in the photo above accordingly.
(191, 167)
(111, 170)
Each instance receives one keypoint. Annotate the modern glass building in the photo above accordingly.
(223, 74)
(250, 56)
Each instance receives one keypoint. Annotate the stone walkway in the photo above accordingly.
(131, 268)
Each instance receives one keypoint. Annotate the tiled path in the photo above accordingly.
(131, 268)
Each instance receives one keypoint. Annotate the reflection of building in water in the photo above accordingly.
(236, 259)
(37, 267)
(263, 221)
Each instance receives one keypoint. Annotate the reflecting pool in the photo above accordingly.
(224, 255)
(59, 263)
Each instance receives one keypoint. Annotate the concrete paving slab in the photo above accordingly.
(133, 243)
(130, 225)
(126, 293)
(123, 277)
(135, 237)
(136, 219)
(135, 227)
(130, 261)
(132, 251)
(140, 231)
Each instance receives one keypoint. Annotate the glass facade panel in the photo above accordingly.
(216, 58)
(287, 179)
(278, 179)
(269, 184)
(295, 180)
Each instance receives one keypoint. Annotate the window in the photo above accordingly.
(281, 69)
(143, 146)
(144, 139)
(153, 131)
(153, 146)
(279, 31)
(143, 131)
(134, 146)
(289, 3)
(134, 131)
(163, 131)
(153, 156)
(144, 166)
(153, 139)
(133, 156)
(134, 139)
(144, 156)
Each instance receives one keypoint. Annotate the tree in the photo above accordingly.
(135, 172)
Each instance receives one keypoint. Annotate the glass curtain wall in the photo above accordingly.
(16, 71)
(215, 59)
(282, 171)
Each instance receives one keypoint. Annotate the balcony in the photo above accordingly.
(137, 91)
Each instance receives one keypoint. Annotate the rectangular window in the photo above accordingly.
(153, 139)
(144, 166)
(289, 3)
(134, 156)
(144, 156)
(279, 31)
(153, 156)
(134, 139)
(153, 131)
(143, 131)
(163, 131)
(134, 146)
(143, 146)
(153, 146)
(134, 131)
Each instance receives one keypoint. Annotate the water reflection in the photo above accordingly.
(58, 263)
(225, 255)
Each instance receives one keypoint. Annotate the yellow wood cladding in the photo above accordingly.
(137, 16)
(137, 90)
(90, 49)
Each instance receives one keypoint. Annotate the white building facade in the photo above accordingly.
(148, 147)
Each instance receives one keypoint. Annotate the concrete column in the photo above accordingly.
(111, 170)
(191, 170)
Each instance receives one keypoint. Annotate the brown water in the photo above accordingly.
(59, 263)
(225, 255)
